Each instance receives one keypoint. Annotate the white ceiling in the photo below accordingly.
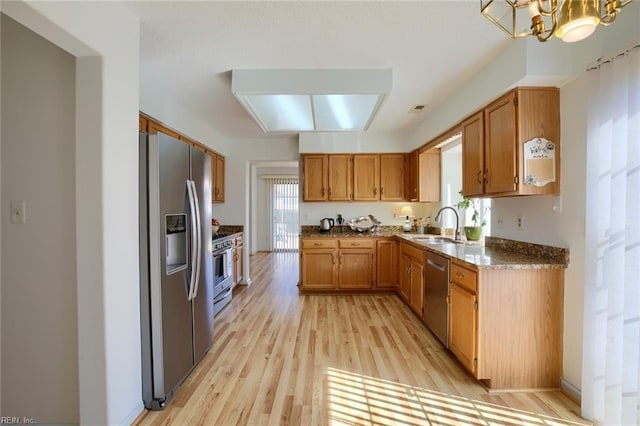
(189, 48)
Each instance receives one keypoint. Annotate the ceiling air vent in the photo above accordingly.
(416, 109)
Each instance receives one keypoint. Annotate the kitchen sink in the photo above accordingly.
(434, 240)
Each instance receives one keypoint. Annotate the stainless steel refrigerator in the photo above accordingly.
(176, 272)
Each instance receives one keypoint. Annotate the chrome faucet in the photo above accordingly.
(456, 235)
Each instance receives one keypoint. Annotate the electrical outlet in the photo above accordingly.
(18, 212)
(499, 222)
(520, 223)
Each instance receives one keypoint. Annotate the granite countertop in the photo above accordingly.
(494, 253)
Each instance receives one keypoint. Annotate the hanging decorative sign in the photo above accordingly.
(539, 162)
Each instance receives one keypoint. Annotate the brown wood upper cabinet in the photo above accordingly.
(149, 125)
(366, 177)
(353, 177)
(340, 177)
(315, 177)
(217, 177)
(422, 177)
(493, 139)
(392, 177)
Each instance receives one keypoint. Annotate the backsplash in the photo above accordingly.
(231, 229)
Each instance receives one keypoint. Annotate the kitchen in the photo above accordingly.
(565, 229)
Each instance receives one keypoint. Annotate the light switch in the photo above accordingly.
(18, 212)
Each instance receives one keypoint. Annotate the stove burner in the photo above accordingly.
(219, 235)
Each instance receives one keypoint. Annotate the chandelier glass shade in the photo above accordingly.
(570, 20)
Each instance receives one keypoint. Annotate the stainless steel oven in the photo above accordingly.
(222, 273)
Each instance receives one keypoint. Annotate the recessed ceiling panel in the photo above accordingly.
(311, 100)
(279, 113)
(344, 112)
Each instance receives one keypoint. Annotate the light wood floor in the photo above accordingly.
(284, 358)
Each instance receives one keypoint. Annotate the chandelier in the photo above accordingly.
(572, 20)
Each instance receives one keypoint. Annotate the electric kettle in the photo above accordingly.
(326, 224)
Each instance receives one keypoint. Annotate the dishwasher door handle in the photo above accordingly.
(435, 265)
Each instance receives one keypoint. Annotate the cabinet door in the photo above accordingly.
(217, 177)
(392, 177)
(355, 269)
(462, 326)
(500, 146)
(417, 287)
(473, 156)
(314, 168)
(237, 263)
(387, 264)
(405, 277)
(318, 269)
(412, 164)
(429, 176)
(366, 177)
(340, 177)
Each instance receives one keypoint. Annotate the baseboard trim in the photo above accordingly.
(571, 391)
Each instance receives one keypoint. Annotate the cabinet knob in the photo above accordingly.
(323, 192)
(459, 275)
(375, 191)
(479, 180)
(382, 190)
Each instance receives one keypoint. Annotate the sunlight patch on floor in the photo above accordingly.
(355, 399)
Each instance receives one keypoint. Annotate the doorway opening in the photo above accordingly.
(285, 223)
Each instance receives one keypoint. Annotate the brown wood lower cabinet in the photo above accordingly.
(237, 259)
(505, 325)
(355, 269)
(387, 263)
(337, 264)
(412, 277)
(463, 330)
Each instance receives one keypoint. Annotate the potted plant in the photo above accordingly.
(473, 233)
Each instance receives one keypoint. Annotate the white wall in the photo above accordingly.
(354, 142)
(106, 197)
(39, 316)
(241, 153)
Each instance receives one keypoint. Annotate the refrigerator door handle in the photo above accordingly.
(194, 239)
(199, 240)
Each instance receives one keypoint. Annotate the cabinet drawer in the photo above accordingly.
(309, 243)
(356, 243)
(464, 277)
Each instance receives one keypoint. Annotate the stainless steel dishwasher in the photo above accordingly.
(436, 291)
